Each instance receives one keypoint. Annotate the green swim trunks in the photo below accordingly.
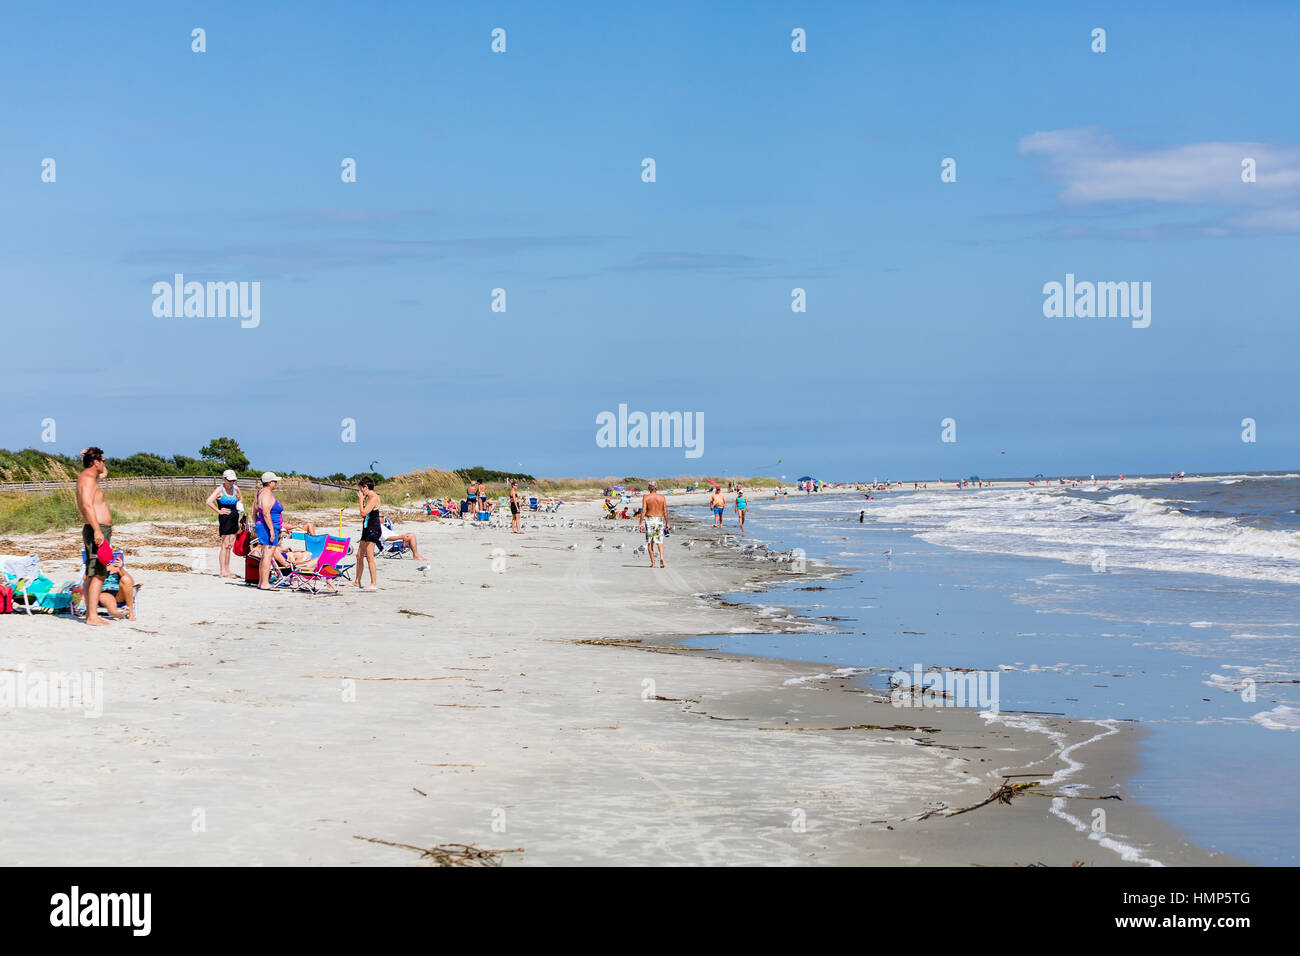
(94, 567)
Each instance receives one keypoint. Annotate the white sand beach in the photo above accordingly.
(543, 708)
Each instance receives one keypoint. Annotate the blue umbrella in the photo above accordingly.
(806, 478)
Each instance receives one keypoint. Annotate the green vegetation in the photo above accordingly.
(226, 453)
(479, 473)
(217, 455)
(57, 510)
(32, 465)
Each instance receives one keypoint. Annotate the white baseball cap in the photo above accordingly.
(269, 476)
(229, 474)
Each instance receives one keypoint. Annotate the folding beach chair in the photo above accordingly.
(112, 585)
(34, 591)
(320, 580)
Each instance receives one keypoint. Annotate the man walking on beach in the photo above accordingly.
(97, 531)
(718, 502)
(654, 520)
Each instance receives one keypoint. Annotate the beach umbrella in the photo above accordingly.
(974, 478)
(806, 478)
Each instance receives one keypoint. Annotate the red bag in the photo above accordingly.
(6, 599)
(241, 543)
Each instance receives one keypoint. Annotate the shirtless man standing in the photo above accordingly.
(718, 502)
(97, 530)
(654, 519)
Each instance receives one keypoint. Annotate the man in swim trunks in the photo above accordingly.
(654, 521)
(371, 532)
(718, 502)
(97, 530)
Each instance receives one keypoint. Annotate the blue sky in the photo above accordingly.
(775, 170)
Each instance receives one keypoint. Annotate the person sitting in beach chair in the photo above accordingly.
(288, 557)
(318, 575)
(117, 596)
(394, 545)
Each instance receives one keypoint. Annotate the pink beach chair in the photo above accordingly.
(329, 567)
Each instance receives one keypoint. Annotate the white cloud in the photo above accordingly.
(1093, 167)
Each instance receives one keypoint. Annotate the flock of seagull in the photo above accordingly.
(756, 549)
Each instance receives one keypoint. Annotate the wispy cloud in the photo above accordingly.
(313, 255)
(341, 217)
(1094, 168)
(690, 261)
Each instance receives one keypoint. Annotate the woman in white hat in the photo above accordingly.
(226, 501)
(267, 525)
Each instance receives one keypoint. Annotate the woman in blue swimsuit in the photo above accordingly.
(267, 526)
(226, 502)
(741, 505)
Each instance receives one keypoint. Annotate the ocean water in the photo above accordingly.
(1175, 605)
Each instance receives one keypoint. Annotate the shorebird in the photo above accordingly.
(423, 569)
(619, 546)
(889, 553)
(573, 547)
(686, 544)
(597, 547)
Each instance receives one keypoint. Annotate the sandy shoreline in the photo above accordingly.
(468, 705)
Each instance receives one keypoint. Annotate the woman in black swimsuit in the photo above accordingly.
(370, 534)
(514, 508)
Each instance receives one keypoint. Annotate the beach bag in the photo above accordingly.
(6, 599)
(241, 543)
